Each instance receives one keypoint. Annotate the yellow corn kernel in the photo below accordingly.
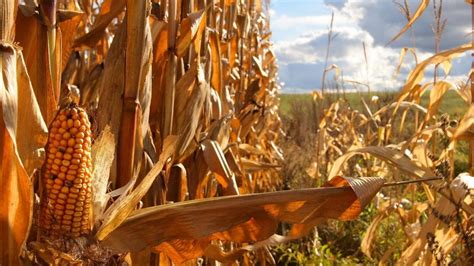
(66, 202)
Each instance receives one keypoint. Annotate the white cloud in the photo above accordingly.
(271, 12)
(306, 56)
(373, 22)
(383, 20)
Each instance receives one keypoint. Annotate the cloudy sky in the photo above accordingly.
(300, 30)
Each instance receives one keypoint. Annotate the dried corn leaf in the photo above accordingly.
(465, 129)
(402, 57)
(220, 131)
(120, 210)
(251, 165)
(68, 30)
(464, 91)
(444, 208)
(258, 62)
(217, 163)
(16, 190)
(436, 95)
(161, 43)
(216, 79)
(189, 223)
(103, 154)
(29, 146)
(113, 83)
(392, 156)
(190, 97)
(109, 11)
(402, 104)
(249, 149)
(191, 27)
(233, 51)
(417, 74)
(419, 11)
(44, 74)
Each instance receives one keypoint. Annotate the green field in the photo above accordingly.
(451, 104)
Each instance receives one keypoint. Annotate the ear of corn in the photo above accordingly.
(66, 176)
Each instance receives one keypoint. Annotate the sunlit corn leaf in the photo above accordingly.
(251, 165)
(419, 11)
(198, 222)
(249, 149)
(258, 62)
(464, 90)
(121, 209)
(217, 163)
(402, 104)
(233, 51)
(191, 28)
(420, 153)
(458, 190)
(68, 29)
(402, 57)
(216, 79)
(109, 10)
(248, 116)
(113, 83)
(417, 74)
(394, 157)
(191, 91)
(220, 131)
(103, 154)
(16, 190)
(436, 96)
(41, 49)
(464, 130)
(29, 146)
(160, 41)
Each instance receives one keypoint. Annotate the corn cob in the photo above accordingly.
(66, 176)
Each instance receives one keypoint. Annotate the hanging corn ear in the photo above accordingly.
(66, 176)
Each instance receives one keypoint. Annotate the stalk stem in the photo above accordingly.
(398, 183)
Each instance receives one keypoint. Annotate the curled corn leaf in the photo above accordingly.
(183, 230)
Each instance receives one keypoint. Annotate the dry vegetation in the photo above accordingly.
(376, 142)
(182, 98)
(400, 136)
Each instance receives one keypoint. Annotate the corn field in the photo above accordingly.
(149, 133)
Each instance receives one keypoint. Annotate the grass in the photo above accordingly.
(451, 104)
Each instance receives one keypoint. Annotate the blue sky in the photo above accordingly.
(297, 9)
(300, 34)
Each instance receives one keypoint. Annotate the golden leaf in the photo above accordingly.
(191, 27)
(184, 229)
(419, 11)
